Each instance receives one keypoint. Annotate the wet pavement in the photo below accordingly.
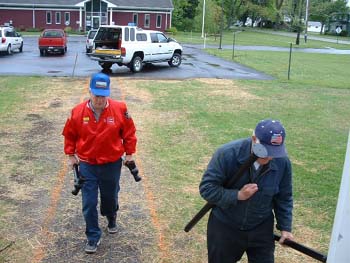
(75, 63)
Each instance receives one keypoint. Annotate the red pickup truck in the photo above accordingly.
(52, 41)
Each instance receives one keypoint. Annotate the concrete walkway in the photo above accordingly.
(281, 49)
(313, 37)
(286, 49)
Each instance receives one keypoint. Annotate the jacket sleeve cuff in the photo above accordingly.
(229, 198)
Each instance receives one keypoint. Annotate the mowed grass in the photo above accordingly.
(313, 70)
(194, 117)
(182, 123)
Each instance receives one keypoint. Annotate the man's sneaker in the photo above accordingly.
(91, 246)
(112, 225)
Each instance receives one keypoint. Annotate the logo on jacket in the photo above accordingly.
(110, 120)
(86, 120)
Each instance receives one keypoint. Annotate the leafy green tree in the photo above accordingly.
(321, 10)
(184, 13)
(213, 16)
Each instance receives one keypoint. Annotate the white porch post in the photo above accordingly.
(80, 18)
(339, 244)
(166, 21)
(171, 14)
(33, 17)
(110, 16)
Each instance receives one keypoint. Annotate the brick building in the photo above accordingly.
(83, 15)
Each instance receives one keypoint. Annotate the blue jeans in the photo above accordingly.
(106, 178)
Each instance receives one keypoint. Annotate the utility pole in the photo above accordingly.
(222, 22)
(306, 19)
(203, 18)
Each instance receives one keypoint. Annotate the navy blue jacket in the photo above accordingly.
(274, 194)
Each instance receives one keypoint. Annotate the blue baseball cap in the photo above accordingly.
(100, 85)
(272, 134)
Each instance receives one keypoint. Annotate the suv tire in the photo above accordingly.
(106, 65)
(9, 51)
(175, 61)
(136, 64)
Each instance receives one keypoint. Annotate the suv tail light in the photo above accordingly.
(123, 50)
(3, 39)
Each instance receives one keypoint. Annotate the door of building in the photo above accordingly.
(95, 22)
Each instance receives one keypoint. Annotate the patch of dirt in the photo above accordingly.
(43, 218)
(224, 87)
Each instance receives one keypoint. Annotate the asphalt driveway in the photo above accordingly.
(195, 64)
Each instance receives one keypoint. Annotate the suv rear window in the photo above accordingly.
(92, 34)
(53, 34)
(9, 33)
(107, 34)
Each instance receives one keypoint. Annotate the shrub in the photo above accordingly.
(171, 30)
(344, 33)
(68, 29)
(34, 29)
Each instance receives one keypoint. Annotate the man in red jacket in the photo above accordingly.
(97, 134)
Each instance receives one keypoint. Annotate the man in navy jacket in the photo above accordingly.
(243, 217)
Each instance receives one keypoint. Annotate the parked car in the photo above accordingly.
(90, 40)
(52, 41)
(133, 47)
(10, 40)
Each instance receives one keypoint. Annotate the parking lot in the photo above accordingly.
(195, 64)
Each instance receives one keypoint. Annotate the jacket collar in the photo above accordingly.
(246, 151)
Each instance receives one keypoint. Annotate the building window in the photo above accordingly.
(135, 19)
(48, 17)
(67, 18)
(147, 20)
(159, 21)
(58, 17)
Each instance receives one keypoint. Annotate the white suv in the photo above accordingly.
(10, 40)
(133, 47)
(90, 40)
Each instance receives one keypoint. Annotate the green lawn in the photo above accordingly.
(313, 105)
(185, 121)
(248, 37)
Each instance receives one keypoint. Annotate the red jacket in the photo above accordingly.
(102, 141)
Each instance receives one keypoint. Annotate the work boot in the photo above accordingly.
(91, 246)
(112, 224)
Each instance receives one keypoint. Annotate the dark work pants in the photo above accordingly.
(105, 178)
(227, 244)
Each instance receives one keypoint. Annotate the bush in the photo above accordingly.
(68, 29)
(21, 28)
(171, 30)
(344, 33)
(34, 29)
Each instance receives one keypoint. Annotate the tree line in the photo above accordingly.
(277, 14)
